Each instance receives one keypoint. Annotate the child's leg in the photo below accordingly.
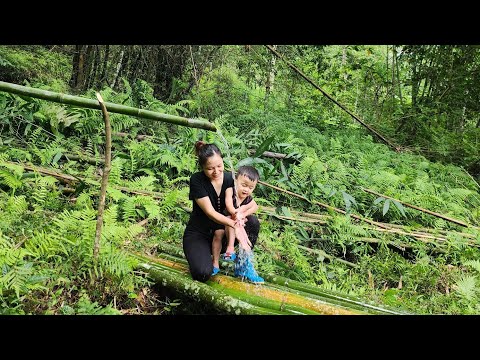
(217, 246)
(230, 240)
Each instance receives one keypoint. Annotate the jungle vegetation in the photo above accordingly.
(423, 99)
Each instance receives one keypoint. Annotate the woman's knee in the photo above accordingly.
(253, 224)
(252, 227)
(202, 274)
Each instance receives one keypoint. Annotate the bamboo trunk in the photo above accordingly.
(203, 293)
(111, 107)
(323, 205)
(275, 298)
(343, 107)
(331, 297)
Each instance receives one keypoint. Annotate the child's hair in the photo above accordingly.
(204, 151)
(248, 171)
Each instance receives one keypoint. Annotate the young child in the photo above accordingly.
(239, 207)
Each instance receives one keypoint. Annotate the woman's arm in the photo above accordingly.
(208, 209)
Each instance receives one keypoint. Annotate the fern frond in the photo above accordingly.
(466, 287)
(473, 263)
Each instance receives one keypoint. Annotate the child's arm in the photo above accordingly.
(229, 201)
(249, 209)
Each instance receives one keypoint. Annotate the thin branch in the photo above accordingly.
(106, 172)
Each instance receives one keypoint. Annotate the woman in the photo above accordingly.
(207, 192)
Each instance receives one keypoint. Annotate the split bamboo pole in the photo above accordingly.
(111, 107)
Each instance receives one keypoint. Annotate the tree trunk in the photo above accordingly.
(77, 79)
(103, 74)
(271, 73)
(95, 60)
(117, 72)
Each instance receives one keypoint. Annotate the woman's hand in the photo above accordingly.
(240, 218)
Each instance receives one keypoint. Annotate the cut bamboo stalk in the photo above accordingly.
(296, 213)
(282, 217)
(330, 296)
(111, 107)
(323, 205)
(262, 301)
(322, 307)
(203, 293)
(40, 170)
(249, 292)
(420, 209)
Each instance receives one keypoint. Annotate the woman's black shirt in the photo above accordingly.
(200, 186)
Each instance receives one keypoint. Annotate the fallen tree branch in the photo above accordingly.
(324, 205)
(330, 257)
(420, 209)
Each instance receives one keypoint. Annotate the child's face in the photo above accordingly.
(245, 186)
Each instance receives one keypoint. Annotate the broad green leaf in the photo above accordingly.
(264, 146)
(386, 206)
(56, 158)
(399, 207)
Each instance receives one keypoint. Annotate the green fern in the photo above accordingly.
(466, 287)
(473, 263)
(13, 181)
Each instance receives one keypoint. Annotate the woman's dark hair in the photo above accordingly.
(248, 171)
(204, 151)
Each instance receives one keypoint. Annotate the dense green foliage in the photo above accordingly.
(425, 265)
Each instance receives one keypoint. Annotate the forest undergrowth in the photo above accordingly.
(401, 256)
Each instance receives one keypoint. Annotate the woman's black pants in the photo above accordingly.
(197, 247)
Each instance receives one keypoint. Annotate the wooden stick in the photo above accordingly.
(106, 172)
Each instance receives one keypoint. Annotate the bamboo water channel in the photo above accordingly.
(278, 295)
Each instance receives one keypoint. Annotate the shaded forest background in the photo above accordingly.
(421, 96)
